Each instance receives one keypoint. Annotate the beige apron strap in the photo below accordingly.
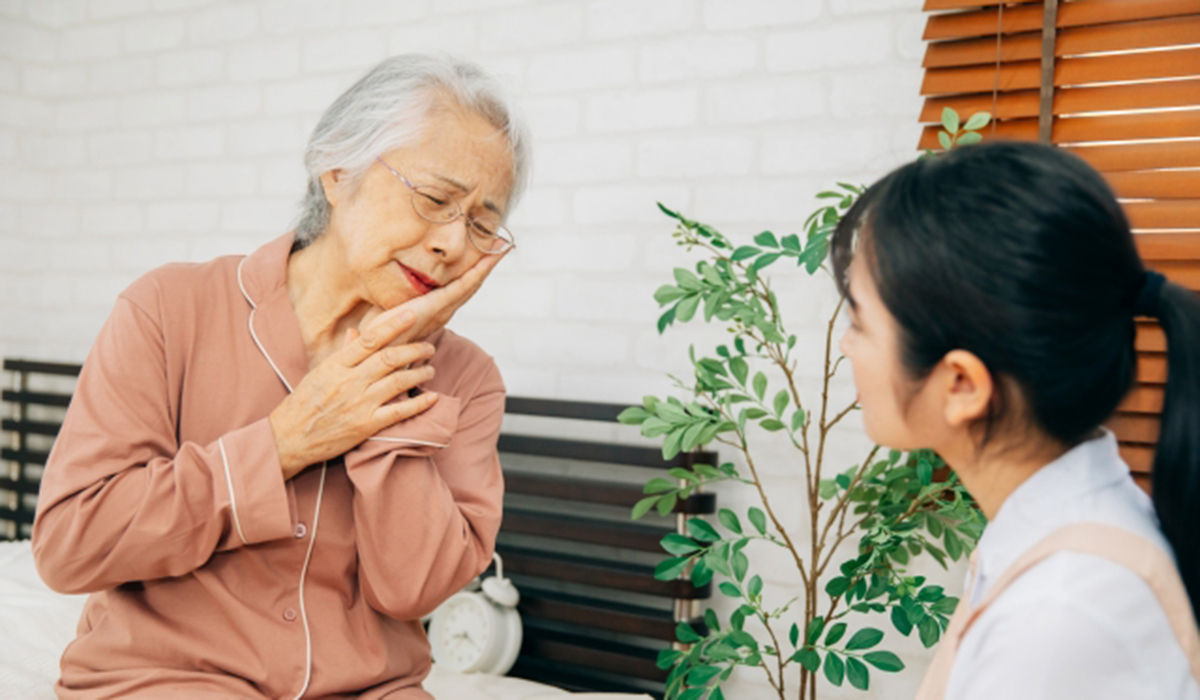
(1115, 544)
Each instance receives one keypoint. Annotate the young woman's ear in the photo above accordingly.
(968, 388)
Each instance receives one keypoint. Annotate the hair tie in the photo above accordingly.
(1149, 299)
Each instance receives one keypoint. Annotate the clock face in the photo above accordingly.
(462, 632)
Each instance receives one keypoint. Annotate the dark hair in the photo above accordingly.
(1020, 254)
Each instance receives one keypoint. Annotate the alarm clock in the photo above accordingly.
(478, 631)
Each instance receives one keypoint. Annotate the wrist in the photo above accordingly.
(289, 461)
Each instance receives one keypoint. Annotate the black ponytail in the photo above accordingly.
(1020, 254)
(1176, 477)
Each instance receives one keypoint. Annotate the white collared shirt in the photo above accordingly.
(1075, 625)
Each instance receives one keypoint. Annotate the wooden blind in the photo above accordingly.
(1125, 97)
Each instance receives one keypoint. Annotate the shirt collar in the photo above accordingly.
(262, 277)
(1047, 500)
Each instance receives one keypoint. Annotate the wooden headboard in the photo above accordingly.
(595, 616)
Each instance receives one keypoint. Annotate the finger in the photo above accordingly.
(392, 413)
(397, 357)
(381, 331)
(351, 336)
(459, 290)
(397, 383)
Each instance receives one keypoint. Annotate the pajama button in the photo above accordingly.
(289, 615)
(301, 531)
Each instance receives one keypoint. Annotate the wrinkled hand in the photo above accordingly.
(347, 397)
(434, 310)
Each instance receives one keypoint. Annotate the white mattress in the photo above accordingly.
(36, 624)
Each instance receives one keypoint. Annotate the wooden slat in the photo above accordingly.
(598, 614)
(1152, 368)
(1143, 398)
(623, 659)
(625, 535)
(1150, 337)
(1070, 14)
(599, 452)
(23, 456)
(1071, 41)
(1135, 428)
(36, 398)
(1156, 184)
(1083, 70)
(1070, 100)
(596, 491)
(1088, 129)
(1140, 458)
(20, 486)
(1168, 247)
(17, 516)
(1140, 156)
(30, 426)
(596, 572)
(1175, 213)
(35, 367)
(556, 408)
(578, 679)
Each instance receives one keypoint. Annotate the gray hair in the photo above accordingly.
(386, 109)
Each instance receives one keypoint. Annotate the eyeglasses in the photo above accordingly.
(434, 204)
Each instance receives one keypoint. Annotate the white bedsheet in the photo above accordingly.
(36, 624)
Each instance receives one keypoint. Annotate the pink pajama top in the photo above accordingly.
(210, 575)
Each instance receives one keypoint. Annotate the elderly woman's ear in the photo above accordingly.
(335, 185)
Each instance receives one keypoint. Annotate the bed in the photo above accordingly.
(594, 615)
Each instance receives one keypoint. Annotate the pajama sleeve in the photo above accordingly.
(122, 499)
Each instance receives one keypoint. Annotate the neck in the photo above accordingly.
(992, 474)
(326, 300)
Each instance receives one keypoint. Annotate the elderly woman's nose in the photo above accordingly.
(449, 240)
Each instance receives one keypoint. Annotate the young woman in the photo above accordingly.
(992, 295)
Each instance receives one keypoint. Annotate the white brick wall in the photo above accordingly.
(137, 132)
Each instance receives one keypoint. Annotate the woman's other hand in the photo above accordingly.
(347, 398)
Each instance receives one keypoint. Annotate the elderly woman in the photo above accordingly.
(274, 465)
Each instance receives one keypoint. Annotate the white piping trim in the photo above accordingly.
(250, 325)
(320, 493)
(237, 522)
(411, 442)
(312, 540)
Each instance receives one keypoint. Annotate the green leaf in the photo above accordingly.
(685, 633)
(954, 545)
(701, 675)
(944, 139)
(740, 369)
(672, 443)
(798, 419)
(730, 589)
(764, 260)
(668, 657)
(634, 415)
(743, 252)
(884, 661)
(950, 120)
(791, 242)
(925, 472)
(900, 621)
(730, 520)
(766, 239)
(857, 673)
(781, 402)
(809, 659)
(700, 530)
(716, 693)
(772, 425)
(666, 503)
(643, 506)
(659, 485)
(945, 606)
(755, 413)
(740, 564)
(759, 520)
(686, 309)
(815, 627)
(794, 634)
(669, 569)
(684, 278)
(701, 574)
(837, 586)
(977, 121)
(760, 385)
(835, 668)
(835, 633)
(678, 545)
(666, 319)
(969, 139)
(668, 293)
(930, 594)
(864, 639)
(827, 489)
(930, 632)
(668, 212)
(755, 586)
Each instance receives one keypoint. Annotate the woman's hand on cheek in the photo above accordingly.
(435, 309)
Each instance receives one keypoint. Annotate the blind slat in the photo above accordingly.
(1082, 70)
(1167, 247)
(1026, 18)
(1026, 46)
(1141, 156)
(1068, 101)
(1120, 127)
(1174, 213)
(1156, 184)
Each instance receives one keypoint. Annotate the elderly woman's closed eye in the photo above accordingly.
(287, 452)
